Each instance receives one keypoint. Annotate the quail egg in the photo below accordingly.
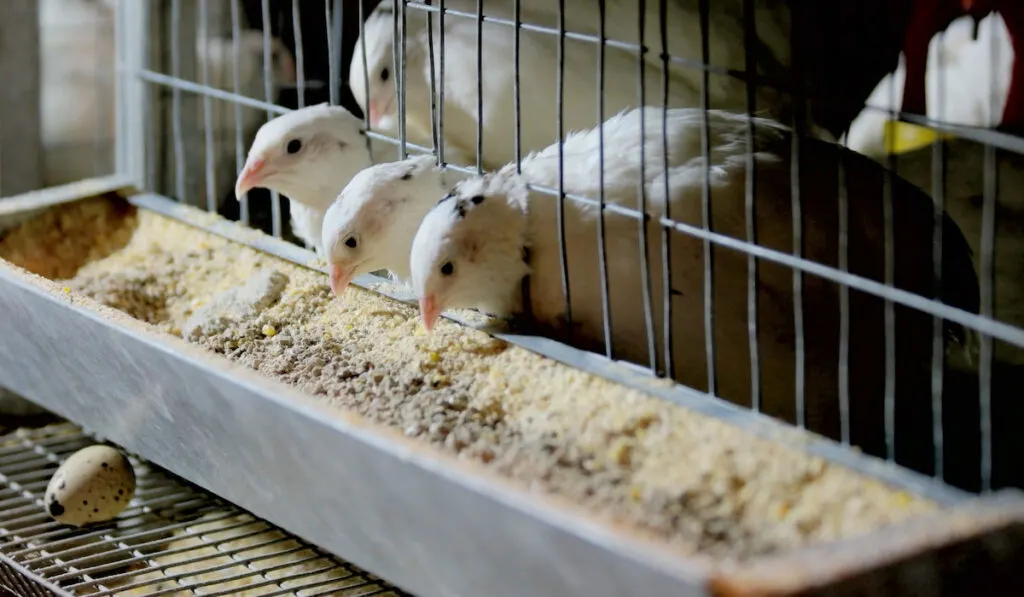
(93, 485)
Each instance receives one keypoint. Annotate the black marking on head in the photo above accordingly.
(407, 175)
(104, 465)
(62, 485)
(460, 208)
(450, 195)
(477, 199)
(54, 508)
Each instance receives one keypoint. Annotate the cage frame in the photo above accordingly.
(409, 513)
(401, 509)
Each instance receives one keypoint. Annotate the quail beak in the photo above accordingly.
(253, 174)
(429, 311)
(379, 110)
(340, 278)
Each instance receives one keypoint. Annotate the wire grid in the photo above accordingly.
(172, 539)
(181, 85)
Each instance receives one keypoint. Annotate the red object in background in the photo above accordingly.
(931, 16)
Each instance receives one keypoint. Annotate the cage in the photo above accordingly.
(812, 408)
(174, 539)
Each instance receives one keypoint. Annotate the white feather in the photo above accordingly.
(333, 150)
(539, 68)
(489, 271)
(970, 93)
(380, 210)
(485, 249)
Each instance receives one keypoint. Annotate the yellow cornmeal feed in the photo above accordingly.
(696, 483)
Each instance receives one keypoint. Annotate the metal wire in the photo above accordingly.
(563, 256)
(666, 237)
(171, 538)
(705, 150)
(236, 84)
(602, 245)
(643, 216)
(435, 12)
(300, 59)
(750, 191)
(268, 95)
(179, 145)
(211, 186)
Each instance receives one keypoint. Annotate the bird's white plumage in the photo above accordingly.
(379, 212)
(538, 91)
(967, 83)
(484, 239)
(333, 150)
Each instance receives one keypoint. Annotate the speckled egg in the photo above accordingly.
(93, 485)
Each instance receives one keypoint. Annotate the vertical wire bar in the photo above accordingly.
(366, 75)
(889, 402)
(844, 304)
(705, 143)
(400, 33)
(176, 132)
(434, 139)
(480, 88)
(890, 314)
(749, 44)
(560, 126)
(300, 61)
(988, 224)
(236, 83)
(268, 93)
(939, 206)
(337, 26)
(517, 18)
(211, 181)
(332, 57)
(798, 238)
(602, 247)
(440, 91)
(666, 234)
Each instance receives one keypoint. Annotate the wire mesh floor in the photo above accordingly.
(173, 539)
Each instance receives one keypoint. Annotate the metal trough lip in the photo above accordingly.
(426, 521)
(599, 365)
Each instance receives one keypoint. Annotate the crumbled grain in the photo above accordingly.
(694, 482)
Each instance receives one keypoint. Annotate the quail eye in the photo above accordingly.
(447, 269)
(351, 242)
(294, 146)
(385, 75)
